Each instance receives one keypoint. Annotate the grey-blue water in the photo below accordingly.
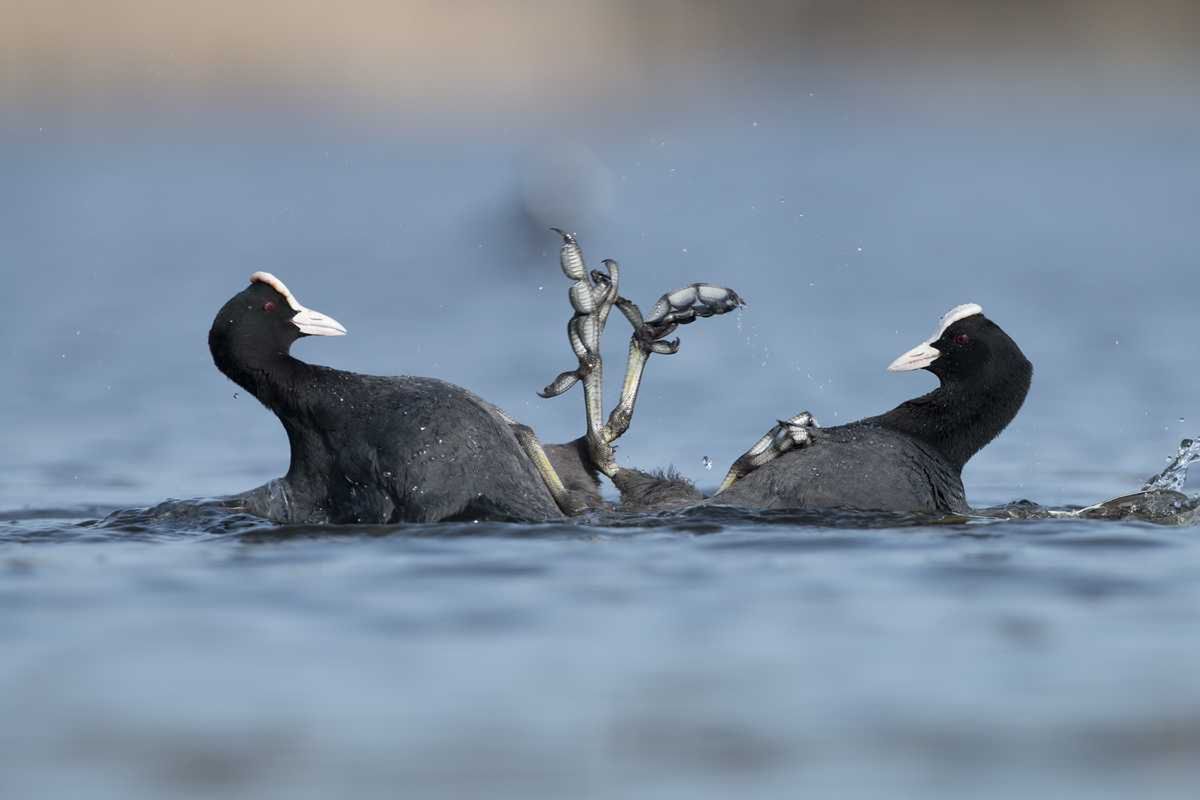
(192, 653)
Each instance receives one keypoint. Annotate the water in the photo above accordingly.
(1174, 476)
(187, 652)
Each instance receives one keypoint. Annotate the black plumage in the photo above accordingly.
(373, 449)
(367, 448)
(911, 458)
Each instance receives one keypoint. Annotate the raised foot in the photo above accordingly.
(785, 435)
(593, 295)
(683, 306)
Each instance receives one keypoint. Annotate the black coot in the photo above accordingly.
(911, 458)
(381, 449)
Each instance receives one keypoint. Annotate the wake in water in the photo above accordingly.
(1161, 499)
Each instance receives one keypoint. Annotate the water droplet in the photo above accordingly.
(235, 395)
(685, 250)
(422, 427)
(1174, 476)
(707, 462)
(540, 288)
(1181, 419)
(387, 474)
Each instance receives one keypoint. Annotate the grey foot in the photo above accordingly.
(786, 435)
(682, 307)
(649, 336)
(592, 296)
(697, 300)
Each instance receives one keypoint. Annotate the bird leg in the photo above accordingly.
(673, 309)
(697, 300)
(567, 503)
(592, 297)
(528, 440)
(784, 436)
(592, 300)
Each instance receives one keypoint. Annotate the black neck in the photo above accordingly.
(290, 388)
(270, 376)
(960, 418)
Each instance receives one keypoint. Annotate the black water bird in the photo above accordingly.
(909, 459)
(376, 449)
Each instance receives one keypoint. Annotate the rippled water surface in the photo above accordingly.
(189, 650)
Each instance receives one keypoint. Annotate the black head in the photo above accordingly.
(260, 323)
(967, 347)
(984, 379)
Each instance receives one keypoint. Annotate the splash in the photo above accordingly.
(1175, 475)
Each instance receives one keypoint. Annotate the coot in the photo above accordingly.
(383, 449)
(909, 459)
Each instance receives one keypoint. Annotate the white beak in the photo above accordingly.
(919, 357)
(313, 323)
(925, 353)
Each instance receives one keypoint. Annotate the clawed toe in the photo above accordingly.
(697, 300)
(560, 384)
(785, 435)
(593, 295)
(797, 428)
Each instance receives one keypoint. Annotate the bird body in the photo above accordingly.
(863, 465)
(378, 449)
(911, 458)
(366, 448)
(372, 449)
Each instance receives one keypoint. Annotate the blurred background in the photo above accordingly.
(853, 168)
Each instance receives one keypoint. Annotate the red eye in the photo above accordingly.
(962, 339)
(268, 306)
